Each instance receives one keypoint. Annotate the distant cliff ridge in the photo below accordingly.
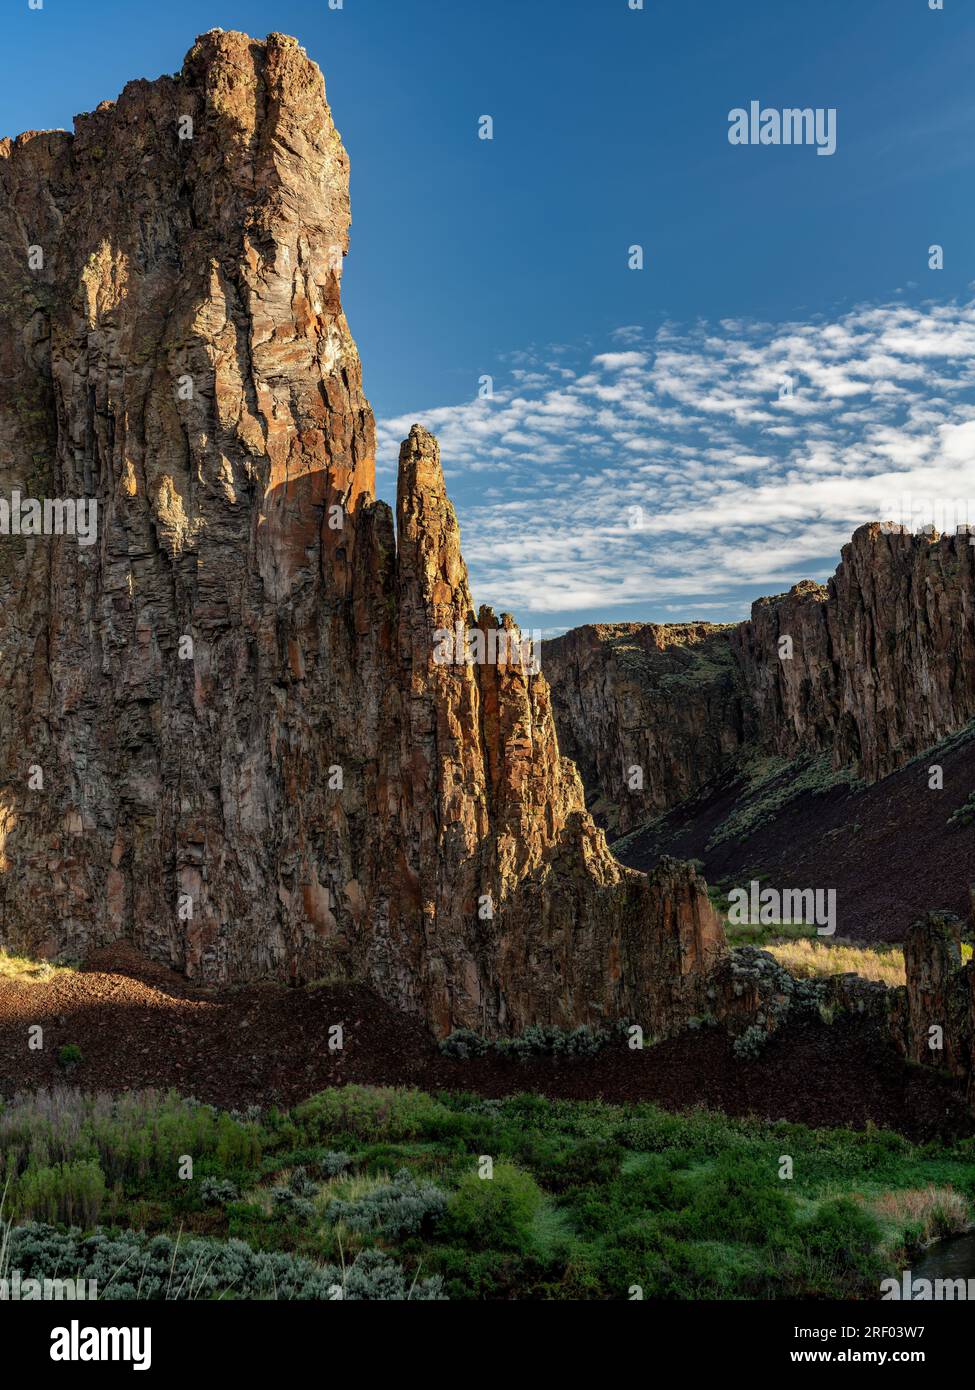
(649, 712)
(871, 669)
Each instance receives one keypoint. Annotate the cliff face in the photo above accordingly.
(879, 666)
(225, 732)
(883, 662)
(649, 712)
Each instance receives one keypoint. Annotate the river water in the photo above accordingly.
(953, 1258)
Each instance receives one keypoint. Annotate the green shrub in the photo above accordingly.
(135, 1266)
(369, 1113)
(588, 1163)
(292, 1207)
(68, 1192)
(134, 1137)
(463, 1044)
(705, 1269)
(965, 814)
(217, 1192)
(402, 1207)
(301, 1184)
(545, 1041)
(69, 1056)
(631, 1197)
(841, 1229)
(751, 1043)
(494, 1212)
(738, 1200)
(539, 1040)
(634, 1255)
(333, 1163)
(480, 1274)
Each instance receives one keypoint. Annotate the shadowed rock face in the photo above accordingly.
(253, 763)
(650, 712)
(933, 1017)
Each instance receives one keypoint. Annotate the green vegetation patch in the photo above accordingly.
(771, 783)
(385, 1193)
(965, 814)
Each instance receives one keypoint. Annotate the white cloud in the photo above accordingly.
(751, 450)
(615, 361)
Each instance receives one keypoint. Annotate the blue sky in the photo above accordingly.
(638, 459)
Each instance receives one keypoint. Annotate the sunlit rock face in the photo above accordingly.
(882, 660)
(226, 733)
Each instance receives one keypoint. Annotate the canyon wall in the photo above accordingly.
(883, 662)
(881, 666)
(649, 712)
(225, 735)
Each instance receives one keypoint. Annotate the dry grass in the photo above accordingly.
(26, 970)
(932, 1211)
(815, 958)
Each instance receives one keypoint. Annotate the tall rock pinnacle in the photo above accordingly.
(228, 733)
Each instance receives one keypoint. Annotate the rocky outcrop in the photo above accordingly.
(933, 1016)
(754, 997)
(871, 669)
(650, 713)
(228, 730)
(930, 1020)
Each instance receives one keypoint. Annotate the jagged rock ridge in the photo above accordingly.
(303, 791)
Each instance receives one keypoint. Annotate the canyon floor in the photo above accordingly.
(139, 1025)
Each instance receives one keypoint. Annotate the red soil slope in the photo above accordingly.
(138, 1025)
(886, 849)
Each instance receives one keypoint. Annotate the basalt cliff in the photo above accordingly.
(224, 735)
(867, 671)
